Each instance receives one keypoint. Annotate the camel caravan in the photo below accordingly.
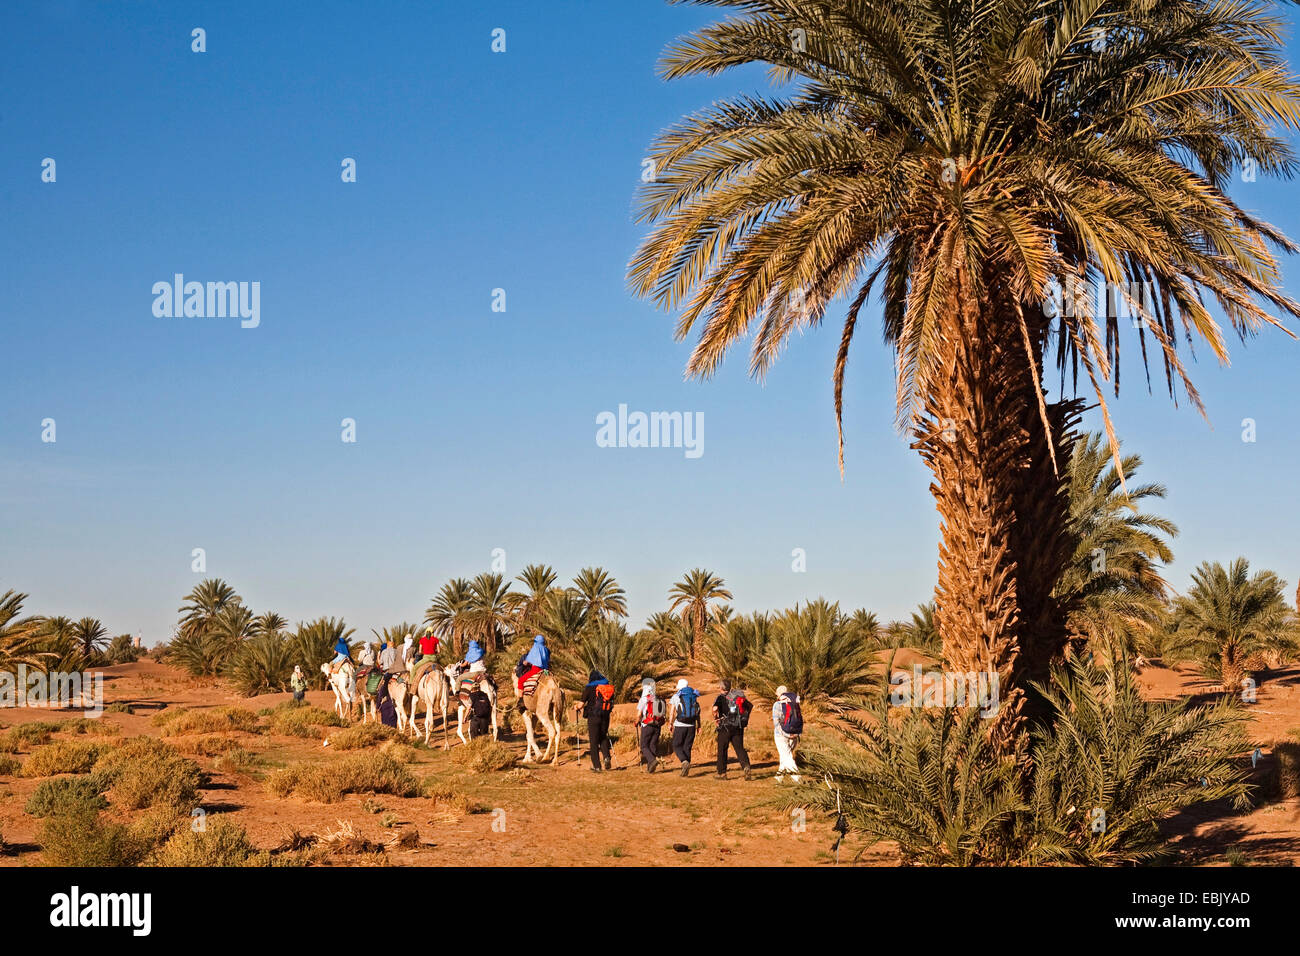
(408, 674)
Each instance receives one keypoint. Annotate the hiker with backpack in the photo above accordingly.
(480, 713)
(685, 710)
(597, 707)
(731, 712)
(650, 716)
(787, 725)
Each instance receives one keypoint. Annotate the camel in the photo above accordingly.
(486, 686)
(548, 707)
(343, 683)
(434, 690)
(367, 701)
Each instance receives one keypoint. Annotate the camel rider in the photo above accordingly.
(390, 660)
(342, 652)
(536, 661)
(428, 644)
(366, 656)
(473, 661)
(409, 654)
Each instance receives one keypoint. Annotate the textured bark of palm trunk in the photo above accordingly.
(1004, 534)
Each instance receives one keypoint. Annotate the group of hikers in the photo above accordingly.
(682, 712)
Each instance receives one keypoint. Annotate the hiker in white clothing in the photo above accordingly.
(787, 725)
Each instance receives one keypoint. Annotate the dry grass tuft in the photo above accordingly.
(346, 839)
(63, 756)
(483, 755)
(356, 773)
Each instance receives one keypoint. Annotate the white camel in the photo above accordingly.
(343, 683)
(462, 706)
(548, 707)
(433, 690)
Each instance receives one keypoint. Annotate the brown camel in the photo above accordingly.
(548, 707)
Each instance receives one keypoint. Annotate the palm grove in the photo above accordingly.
(958, 158)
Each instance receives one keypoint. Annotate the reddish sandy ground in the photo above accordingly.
(567, 815)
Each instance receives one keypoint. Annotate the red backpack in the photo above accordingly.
(604, 698)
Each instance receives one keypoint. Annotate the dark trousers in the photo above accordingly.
(598, 731)
(480, 726)
(650, 744)
(683, 742)
(734, 737)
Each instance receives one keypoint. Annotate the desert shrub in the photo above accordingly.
(302, 721)
(155, 826)
(26, 736)
(122, 650)
(220, 843)
(80, 836)
(89, 725)
(64, 793)
(930, 780)
(62, 756)
(483, 755)
(361, 735)
(446, 797)
(119, 707)
(205, 745)
(144, 772)
(10, 766)
(215, 720)
(355, 773)
(237, 760)
(399, 750)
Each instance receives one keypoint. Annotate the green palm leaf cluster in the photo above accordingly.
(731, 645)
(816, 652)
(1234, 622)
(624, 658)
(1106, 769)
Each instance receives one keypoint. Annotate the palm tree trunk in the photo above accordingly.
(1231, 670)
(1004, 513)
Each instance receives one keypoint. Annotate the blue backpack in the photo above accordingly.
(791, 717)
(690, 705)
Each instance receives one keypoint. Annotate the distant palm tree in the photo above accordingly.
(814, 652)
(563, 617)
(732, 644)
(489, 618)
(448, 612)
(691, 598)
(624, 659)
(208, 599)
(866, 625)
(601, 593)
(672, 637)
(57, 638)
(269, 623)
(538, 581)
(958, 158)
(1229, 618)
(1113, 588)
(92, 635)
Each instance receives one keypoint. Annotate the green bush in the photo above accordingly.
(144, 772)
(64, 793)
(62, 756)
(79, 836)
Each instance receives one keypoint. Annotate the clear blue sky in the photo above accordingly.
(476, 429)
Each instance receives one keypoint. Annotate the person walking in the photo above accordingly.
(685, 715)
(597, 706)
(650, 712)
(298, 684)
(787, 726)
(731, 711)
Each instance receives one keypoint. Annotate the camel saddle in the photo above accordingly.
(421, 669)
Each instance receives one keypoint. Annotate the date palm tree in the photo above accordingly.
(448, 612)
(601, 593)
(539, 582)
(91, 634)
(489, 617)
(1230, 617)
(960, 158)
(202, 605)
(691, 599)
(269, 623)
